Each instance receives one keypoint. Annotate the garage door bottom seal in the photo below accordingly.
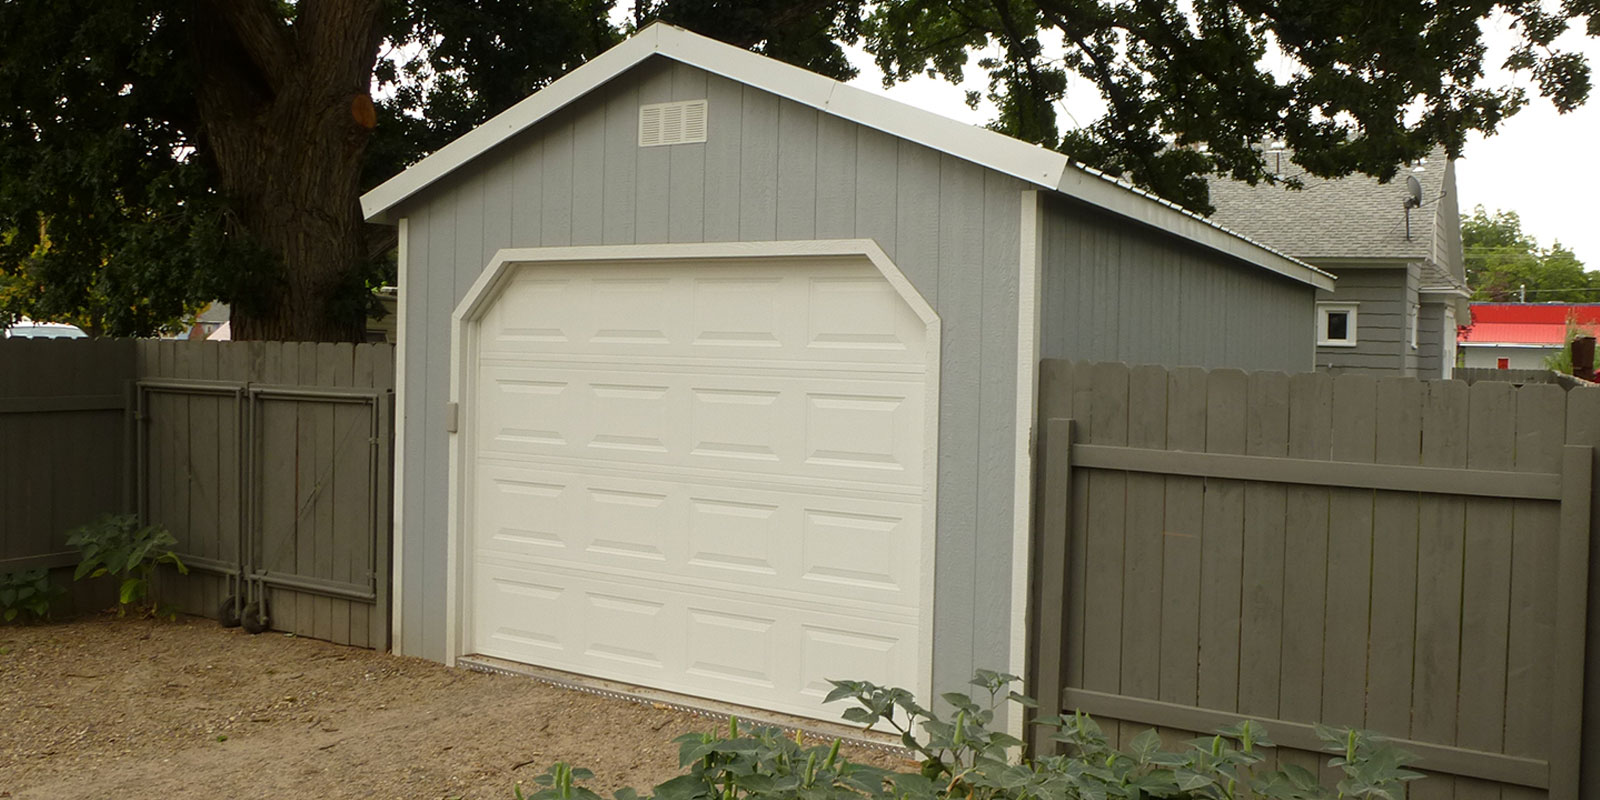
(697, 706)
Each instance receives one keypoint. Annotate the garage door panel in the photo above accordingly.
(843, 550)
(842, 310)
(794, 425)
(705, 478)
(723, 645)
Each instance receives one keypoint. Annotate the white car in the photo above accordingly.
(28, 329)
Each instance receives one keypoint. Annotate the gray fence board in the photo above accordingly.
(1180, 576)
(1265, 507)
(1222, 545)
(1441, 525)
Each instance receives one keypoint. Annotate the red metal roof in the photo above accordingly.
(1543, 313)
(1527, 323)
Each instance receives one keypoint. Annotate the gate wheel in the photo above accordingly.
(252, 619)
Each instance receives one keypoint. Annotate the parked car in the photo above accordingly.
(27, 329)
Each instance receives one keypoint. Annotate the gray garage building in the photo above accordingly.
(717, 376)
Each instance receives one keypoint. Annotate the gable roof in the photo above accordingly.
(1527, 323)
(1026, 162)
(1354, 217)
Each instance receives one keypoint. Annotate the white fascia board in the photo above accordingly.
(1021, 160)
(377, 204)
(1510, 346)
(1447, 291)
(1026, 162)
(1097, 189)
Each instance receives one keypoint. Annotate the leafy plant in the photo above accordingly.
(27, 592)
(962, 759)
(118, 545)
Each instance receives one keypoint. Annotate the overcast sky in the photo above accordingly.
(1541, 164)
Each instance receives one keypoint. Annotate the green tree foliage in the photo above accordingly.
(1503, 263)
(156, 154)
(1377, 84)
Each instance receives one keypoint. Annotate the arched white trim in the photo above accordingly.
(483, 292)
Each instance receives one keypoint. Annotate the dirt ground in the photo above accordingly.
(101, 707)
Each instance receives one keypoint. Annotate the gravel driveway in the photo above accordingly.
(137, 708)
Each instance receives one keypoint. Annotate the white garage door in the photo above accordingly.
(700, 477)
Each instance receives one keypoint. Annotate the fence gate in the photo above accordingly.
(277, 492)
(1410, 557)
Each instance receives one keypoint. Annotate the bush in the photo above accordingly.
(28, 592)
(118, 545)
(963, 760)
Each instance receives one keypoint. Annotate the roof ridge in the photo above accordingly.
(1024, 161)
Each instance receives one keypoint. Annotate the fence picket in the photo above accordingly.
(1486, 576)
(1305, 562)
(1107, 505)
(1540, 436)
(1180, 555)
(1222, 545)
(1398, 430)
(1145, 507)
(1583, 429)
(1265, 509)
(1441, 526)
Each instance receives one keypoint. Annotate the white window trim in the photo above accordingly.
(1416, 322)
(1322, 324)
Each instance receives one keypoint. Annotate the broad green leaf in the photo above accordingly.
(1145, 745)
(684, 787)
(861, 715)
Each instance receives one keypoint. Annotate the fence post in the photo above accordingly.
(1572, 601)
(1051, 543)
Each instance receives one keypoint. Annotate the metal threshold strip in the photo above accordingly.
(698, 706)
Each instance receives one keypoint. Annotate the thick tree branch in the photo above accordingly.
(337, 36)
(262, 33)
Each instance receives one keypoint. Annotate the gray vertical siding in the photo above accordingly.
(1382, 331)
(770, 170)
(1117, 291)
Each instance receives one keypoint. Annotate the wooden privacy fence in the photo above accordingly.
(1410, 557)
(269, 461)
(64, 447)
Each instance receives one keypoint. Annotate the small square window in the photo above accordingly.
(1336, 324)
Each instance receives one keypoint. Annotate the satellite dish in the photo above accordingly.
(1413, 192)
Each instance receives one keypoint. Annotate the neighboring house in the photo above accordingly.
(1402, 279)
(718, 376)
(1521, 335)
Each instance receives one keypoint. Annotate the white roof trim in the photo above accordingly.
(1026, 162)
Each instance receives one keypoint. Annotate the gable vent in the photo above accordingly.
(672, 123)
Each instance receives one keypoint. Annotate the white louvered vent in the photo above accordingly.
(672, 123)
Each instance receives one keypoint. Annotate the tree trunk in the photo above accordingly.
(286, 116)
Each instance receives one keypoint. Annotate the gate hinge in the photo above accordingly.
(451, 412)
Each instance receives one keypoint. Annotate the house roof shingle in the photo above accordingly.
(1350, 217)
